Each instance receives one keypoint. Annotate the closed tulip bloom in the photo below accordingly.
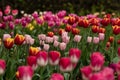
(65, 64)
(97, 61)
(41, 37)
(61, 31)
(68, 28)
(11, 25)
(46, 47)
(50, 34)
(111, 39)
(33, 51)
(102, 30)
(56, 43)
(14, 12)
(105, 21)
(75, 31)
(77, 38)
(42, 58)
(116, 29)
(96, 40)
(86, 72)
(62, 46)
(97, 76)
(64, 34)
(49, 39)
(55, 38)
(89, 39)
(74, 54)
(24, 73)
(56, 76)
(5, 36)
(29, 39)
(101, 36)
(19, 39)
(32, 61)
(8, 43)
(95, 29)
(66, 39)
(118, 41)
(54, 57)
(2, 66)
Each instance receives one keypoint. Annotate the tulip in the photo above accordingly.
(62, 46)
(71, 20)
(55, 38)
(68, 28)
(77, 38)
(61, 14)
(42, 58)
(101, 36)
(2, 25)
(8, 43)
(46, 47)
(108, 44)
(2, 66)
(5, 36)
(41, 37)
(116, 29)
(75, 31)
(11, 25)
(64, 34)
(32, 61)
(61, 31)
(56, 43)
(29, 39)
(119, 51)
(66, 39)
(96, 40)
(14, 12)
(89, 39)
(74, 54)
(97, 61)
(95, 29)
(33, 51)
(113, 66)
(56, 76)
(19, 39)
(50, 34)
(97, 76)
(24, 73)
(1, 14)
(118, 41)
(42, 42)
(54, 57)
(49, 39)
(111, 39)
(65, 64)
(84, 23)
(86, 72)
(102, 30)
(7, 11)
(105, 21)
(94, 21)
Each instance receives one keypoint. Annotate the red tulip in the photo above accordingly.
(95, 29)
(111, 39)
(65, 64)
(75, 31)
(105, 21)
(84, 23)
(8, 43)
(33, 51)
(56, 76)
(50, 34)
(24, 73)
(101, 30)
(74, 54)
(61, 31)
(19, 39)
(2, 66)
(54, 57)
(42, 58)
(68, 28)
(116, 29)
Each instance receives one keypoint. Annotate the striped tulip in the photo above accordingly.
(33, 51)
(116, 29)
(19, 39)
(8, 43)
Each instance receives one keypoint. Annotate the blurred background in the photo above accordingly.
(81, 7)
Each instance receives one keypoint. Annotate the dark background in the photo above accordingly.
(81, 7)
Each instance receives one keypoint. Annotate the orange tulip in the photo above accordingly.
(95, 28)
(50, 34)
(102, 30)
(75, 31)
(19, 39)
(33, 51)
(8, 43)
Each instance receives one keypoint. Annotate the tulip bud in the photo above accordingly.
(8, 43)
(77, 38)
(65, 64)
(32, 61)
(74, 54)
(33, 51)
(97, 61)
(101, 36)
(111, 39)
(19, 39)
(95, 28)
(96, 40)
(56, 76)
(2, 66)
(89, 39)
(86, 72)
(14, 12)
(54, 57)
(102, 30)
(24, 73)
(42, 58)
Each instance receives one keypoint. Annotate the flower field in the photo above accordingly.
(59, 46)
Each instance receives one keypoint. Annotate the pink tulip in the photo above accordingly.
(65, 39)
(97, 76)
(86, 72)
(46, 47)
(64, 34)
(77, 38)
(11, 25)
(42, 42)
(65, 64)
(55, 38)
(74, 54)
(97, 61)
(56, 76)
(101, 36)
(96, 40)
(54, 57)
(41, 37)
(49, 39)
(56, 43)
(14, 12)
(24, 73)
(89, 39)
(5, 36)
(118, 68)
(62, 46)
(2, 66)
(42, 58)
(1, 14)
(32, 61)
(29, 39)
(7, 11)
